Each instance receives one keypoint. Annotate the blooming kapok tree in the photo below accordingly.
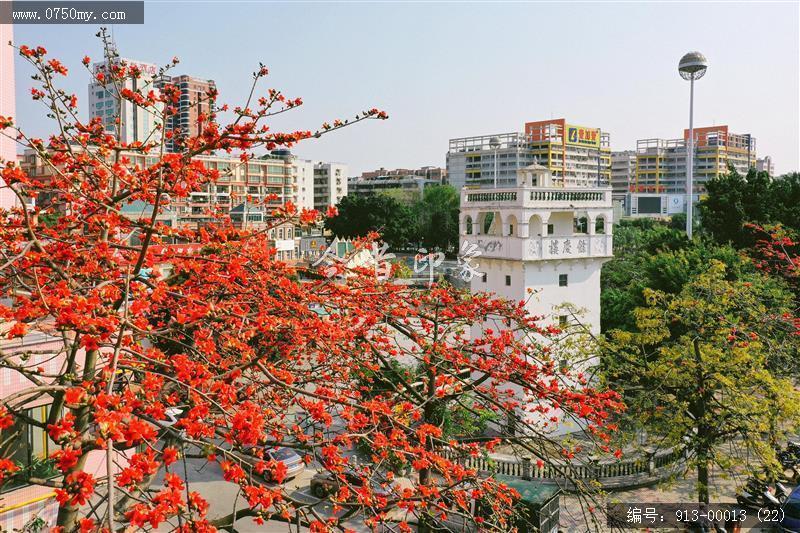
(777, 252)
(238, 348)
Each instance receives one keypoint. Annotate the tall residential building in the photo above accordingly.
(661, 164)
(196, 101)
(576, 156)
(765, 164)
(8, 148)
(251, 190)
(330, 184)
(303, 183)
(623, 171)
(136, 123)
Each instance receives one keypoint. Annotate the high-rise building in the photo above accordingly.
(303, 183)
(576, 156)
(623, 171)
(765, 164)
(137, 124)
(197, 101)
(8, 148)
(330, 184)
(661, 164)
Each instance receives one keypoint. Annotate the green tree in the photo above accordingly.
(734, 200)
(695, 374)
(650, 255)
(360, 215)
(786, 189)
(437, 217)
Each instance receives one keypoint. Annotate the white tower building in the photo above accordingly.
(553, 240)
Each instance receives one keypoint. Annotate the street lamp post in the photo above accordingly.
(691, 67)
(494, 143)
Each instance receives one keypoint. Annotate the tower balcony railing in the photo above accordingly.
(538, 248)
(533, 197)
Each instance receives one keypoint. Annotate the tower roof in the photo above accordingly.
(534, 175)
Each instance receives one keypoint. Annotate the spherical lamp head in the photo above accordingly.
(692, 66)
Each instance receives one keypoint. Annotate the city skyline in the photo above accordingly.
(440, 78)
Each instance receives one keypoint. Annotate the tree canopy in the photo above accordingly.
(437, 218)
(698, 371)
(241, 352)
(651, 255)
(430, 221)
(358, 216)
(733, 200)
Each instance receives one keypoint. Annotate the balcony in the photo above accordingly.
(552, 247)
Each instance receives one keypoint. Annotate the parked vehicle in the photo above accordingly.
(293, 462)
(790, 456)
(790, 521)
(758, 493)
(325, 483)
(782, 492)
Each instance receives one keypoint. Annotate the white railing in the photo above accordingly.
(532, 197)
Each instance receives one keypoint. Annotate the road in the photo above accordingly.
(206, 478)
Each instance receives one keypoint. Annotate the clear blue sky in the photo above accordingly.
(445, 70)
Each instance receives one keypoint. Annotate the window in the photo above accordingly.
(562, 280)
(600, 226)
(550, 229)
(30, 447)
(508, 281)
(562, 321)
(511, 229)
(485, 277)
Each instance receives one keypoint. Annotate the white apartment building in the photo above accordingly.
(136, 123)
(330, 184)
(475, 161)
(303, 182)
(623, 171)
(765, 164)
